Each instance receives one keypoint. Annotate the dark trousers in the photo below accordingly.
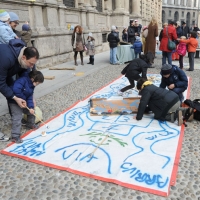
(191, 60)
(179, 91)
(16, 117)
(91, 59)
(181, 61)
(132, 83)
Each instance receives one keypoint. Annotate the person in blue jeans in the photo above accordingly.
(113, 40)
(137, 46)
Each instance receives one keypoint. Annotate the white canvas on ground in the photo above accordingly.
(141, 155)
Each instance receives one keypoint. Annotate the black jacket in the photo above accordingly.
(177, 77)
(134, 68)
(131, 34)
(179, 32)
(9, 65)
(113, 39)
(185, 31)
(159, 101)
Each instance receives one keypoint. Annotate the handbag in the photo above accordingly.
(170, 45)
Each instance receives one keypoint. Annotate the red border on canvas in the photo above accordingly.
(131, 186)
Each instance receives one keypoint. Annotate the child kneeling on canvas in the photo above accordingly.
(163, 103)
(23, 88)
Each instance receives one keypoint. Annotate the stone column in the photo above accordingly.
(136, 7)
(119, 6)
(108, 5)
(179, 2)
(36, 19)
(87, 5)
(126, 6)
(165, 2)
(184, 2)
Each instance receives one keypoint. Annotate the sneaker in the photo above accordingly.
(120, 93)
(180, 117)
(17, 140)
(4, 139)
(32, 126)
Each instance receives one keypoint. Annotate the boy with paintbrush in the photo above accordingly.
(23, 88)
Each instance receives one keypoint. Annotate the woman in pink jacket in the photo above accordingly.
(181, 50)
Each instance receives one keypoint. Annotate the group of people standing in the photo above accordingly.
(184, 39)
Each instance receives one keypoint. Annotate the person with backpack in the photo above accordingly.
(174, 79)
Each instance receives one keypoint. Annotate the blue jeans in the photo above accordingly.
(113, 55)
(168, 56)
(137, 54)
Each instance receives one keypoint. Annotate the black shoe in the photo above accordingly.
(89, 63)
(32, 126)
(23, 122)
(189, 70)
(16, 140)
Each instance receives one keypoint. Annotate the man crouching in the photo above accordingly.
(163, 103)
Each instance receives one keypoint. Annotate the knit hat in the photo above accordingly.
(4, 16)
(166, 69)
(25, 27)
(90, 34)
(113, 27)
(14, 17)
(137, 38)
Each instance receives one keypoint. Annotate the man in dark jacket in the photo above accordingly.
(113, 40)
(174, 79)
(133, 70)
(163, 103)
(15, 59)
(185, 30)
(131, 32)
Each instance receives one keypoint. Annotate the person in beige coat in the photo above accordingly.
(78, 43)
(90, 48)
(151, 37)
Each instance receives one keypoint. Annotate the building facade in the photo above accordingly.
(181, 10)
(52, 22)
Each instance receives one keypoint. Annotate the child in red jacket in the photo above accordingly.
(181, 50)
(192, 46)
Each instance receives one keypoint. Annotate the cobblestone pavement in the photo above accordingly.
(22, 180)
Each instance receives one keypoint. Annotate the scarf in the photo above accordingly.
(146, 83)
(75, 35)
(20, 57)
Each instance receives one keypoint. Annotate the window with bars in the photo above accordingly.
(69, 3)
(99, 5)
(104, 37)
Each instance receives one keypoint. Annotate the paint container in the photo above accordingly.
(43, 133)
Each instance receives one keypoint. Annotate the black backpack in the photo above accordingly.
(196, 107)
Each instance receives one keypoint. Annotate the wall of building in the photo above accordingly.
(51, 20)
(181, 10)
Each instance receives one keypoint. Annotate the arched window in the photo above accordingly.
(176, 16)
(69, 3)
(188, 19)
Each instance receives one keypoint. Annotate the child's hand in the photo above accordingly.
(32, 111)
